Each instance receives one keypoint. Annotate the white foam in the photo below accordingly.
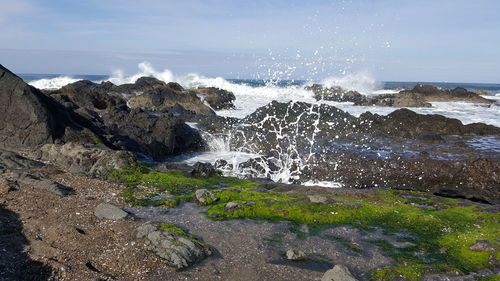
(52, 83)
(363, 82)
(145, 69)
(330, 184)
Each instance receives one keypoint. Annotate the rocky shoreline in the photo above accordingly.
(78, 202)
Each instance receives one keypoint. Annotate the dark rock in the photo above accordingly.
(26, 120)
(33, 119)
(163, 98)
(157, 136)
(43, 184)
(180, 250)
(432, 93)
(13, 161)
(220, 163)
(109, 212)
(475, 179)
(395, 100)
(91, 95)
(203, 170)
(408, 124)
(335, 94)
(431, 137)
(217, 98)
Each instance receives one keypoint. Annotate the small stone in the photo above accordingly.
(317, 199)
(338, 273)
(304, 228)
(7, 186)
(482, 246)
(232, 206)
(295, 255)
(109, 212)
(205, 195)
(203, 170)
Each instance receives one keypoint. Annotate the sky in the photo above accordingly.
(392, 40)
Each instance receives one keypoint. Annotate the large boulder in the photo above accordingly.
(155, 135)
(217, 98)
(171, 243)
(26, 120)
(408, 124)
(82, 160)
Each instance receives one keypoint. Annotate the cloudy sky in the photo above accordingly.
(426, 40)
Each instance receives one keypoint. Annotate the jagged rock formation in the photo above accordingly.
(94, 115)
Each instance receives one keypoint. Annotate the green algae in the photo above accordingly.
(442, 228)
(173, 182)
(444, 232)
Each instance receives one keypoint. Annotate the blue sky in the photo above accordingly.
(445, 40)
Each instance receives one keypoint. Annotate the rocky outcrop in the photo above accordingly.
(408, 124)
(26, 119)
(476, 179)
(168, 96)
(395, 100)
(419, 96)
(335, 94)
(323, 143)
(81, 160)
(432, 93)
(217, 98)
(277, 126)
(87, 113)
(91, 95)
(155, 136)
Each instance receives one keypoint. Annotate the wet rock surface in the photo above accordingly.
(260, 255)
(404, 149)
(203, 170)
(217, 98)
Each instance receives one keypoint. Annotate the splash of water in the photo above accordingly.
(363, 82)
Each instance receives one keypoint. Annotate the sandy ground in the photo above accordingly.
(46, 237)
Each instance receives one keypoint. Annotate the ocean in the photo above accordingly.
(251, 94)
